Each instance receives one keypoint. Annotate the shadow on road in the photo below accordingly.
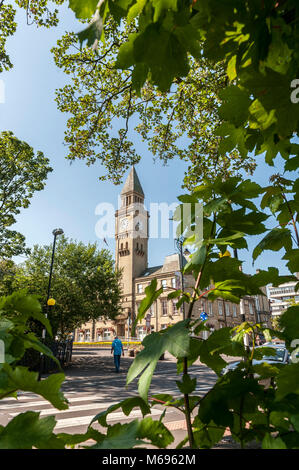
(92, 371)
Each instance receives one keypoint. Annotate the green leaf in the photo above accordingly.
(26, 431)
(73, 439)
(251, 223)
(262, 278)
(287, 381)
(295, 421)
(161, 5)
(125, 56)
(207, 435)
(84, 9)
(164, 397)
(174, 295)
(292, 164)
(235, 105)
(126, 406)
(216, 205)
(231, 68)
(187, 385)
(265, 370)
(293, 257)
(230, 289)
(211, 358)
(156, 432)
(276, 239)
(261, 118)
(139, 77)
(26, 304)
(270, 442)
(225, 341)
(194, 349)
(163, 53)
(126, 436)
(289, 324)
(93, 32)
(174, 339)
(21, 379)
(30, 341)
(226, 240)
(120, 436)
(197, 259)
(151, 294)
(135, 10)
(119, 9)
(233, 138)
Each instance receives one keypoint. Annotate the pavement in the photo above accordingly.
(92, 385)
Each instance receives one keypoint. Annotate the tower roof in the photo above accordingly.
(132, 183)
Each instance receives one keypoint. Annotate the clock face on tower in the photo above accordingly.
(139, 225)
(124, 224)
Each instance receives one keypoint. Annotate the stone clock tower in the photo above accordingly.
(131, 233)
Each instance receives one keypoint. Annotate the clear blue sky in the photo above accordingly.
(73, 191)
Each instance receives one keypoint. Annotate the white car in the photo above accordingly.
(281, 356)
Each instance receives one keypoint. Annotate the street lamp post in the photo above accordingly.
(179, 243)
(129, 324)
(50, 302)
(242, 309)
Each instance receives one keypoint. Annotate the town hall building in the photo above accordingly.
(131, 256)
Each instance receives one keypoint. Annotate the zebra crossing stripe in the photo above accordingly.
(85, 420)
(72, 409)
(23, 404)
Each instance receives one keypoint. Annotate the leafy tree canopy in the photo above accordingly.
(37, 12)
(105, 105)
(84, 284)
(7, 273)
(257, 42)
(22, 172)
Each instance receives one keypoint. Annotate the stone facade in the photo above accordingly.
(282, 296)
(131, 236)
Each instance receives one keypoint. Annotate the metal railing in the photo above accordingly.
(62, 350)
(124, 339)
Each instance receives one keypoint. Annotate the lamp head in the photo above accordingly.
(226, 253)
(51, 302)
(57, 231)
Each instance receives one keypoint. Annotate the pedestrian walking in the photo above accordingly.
(117, 348)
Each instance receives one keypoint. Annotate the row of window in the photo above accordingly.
(282, 290)
(126, 247)
(285, 299)
(207, 307)
(141, 332)
(132, 199)
(163, 283)
(164, 308)
(106, 335)
(122, 246)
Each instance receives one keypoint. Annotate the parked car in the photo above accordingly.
(281, 356)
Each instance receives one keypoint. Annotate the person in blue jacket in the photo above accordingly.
(117, 348)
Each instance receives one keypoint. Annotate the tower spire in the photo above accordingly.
(132, 183)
